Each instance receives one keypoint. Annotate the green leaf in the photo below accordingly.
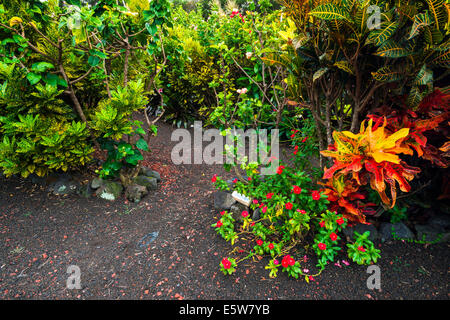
(329, 12)
(415, 97)
(380, 36)
(386, 74)
(142, 144)
(93, 61)
(319, 73)
(392, 50)
(420, 20)
(424, 76)
(41, 66)
(33, 78)
(344, 65)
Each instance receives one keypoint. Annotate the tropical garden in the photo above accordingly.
(357, 89)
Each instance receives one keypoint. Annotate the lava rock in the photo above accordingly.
(223, 200)
(431, 233)
(97, 183)
(440, 221)
(396, 231)
(135, 192)
(236, 211)
(63, 186)
(150, 173)
(85, 191)
(110, 190)
(361, 228)
(256, 214)
(149, 182)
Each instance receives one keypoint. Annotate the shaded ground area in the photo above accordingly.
(42, 234)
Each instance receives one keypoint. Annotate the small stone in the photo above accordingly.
(223, 200)
(135, 192)
(85, 191)
(150, 173)
(440, 221)
(256, 214)
(63, 186)
(97, 183)
(236, 211)
(149, 182)
(430, 233)
(110, 190)
(396, 231)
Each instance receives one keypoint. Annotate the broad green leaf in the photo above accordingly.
(142, 144)
(319, 73)
(33, 78)
(379, 37)
(424, 76)
(329, 11)
(420, 20)
(41, 66)
(392, 50)
(386, 74)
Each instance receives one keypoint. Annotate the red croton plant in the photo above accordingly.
(372, 155)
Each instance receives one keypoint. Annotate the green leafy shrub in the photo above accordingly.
(292, 214)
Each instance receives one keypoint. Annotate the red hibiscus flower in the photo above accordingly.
(340, 221)
(214, 178)
(219, 224)
(361, 248)
(287, 261)
(235, 180)
(245, 214)
(289, 206)
(333, 236)
(259, 242)
(280, 169)
(271, 246)
(296, 189)
(226, 263)
(322, 224)
(269, 195)
(302, 211)
(322, 246)
(222, 213)
(315, 195)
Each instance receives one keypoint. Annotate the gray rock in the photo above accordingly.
(396, 231)
(34, 178)
(149, 182)
(110, 190)
(431, 233)
(361, 228)
(150, 173)
(85, 191)
(440, 221)
(63, 186)
(223, 200)
(256, 214)
(135, 192)
(236, 211)
(97, 183)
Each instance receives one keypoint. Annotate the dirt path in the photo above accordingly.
(42, 234)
